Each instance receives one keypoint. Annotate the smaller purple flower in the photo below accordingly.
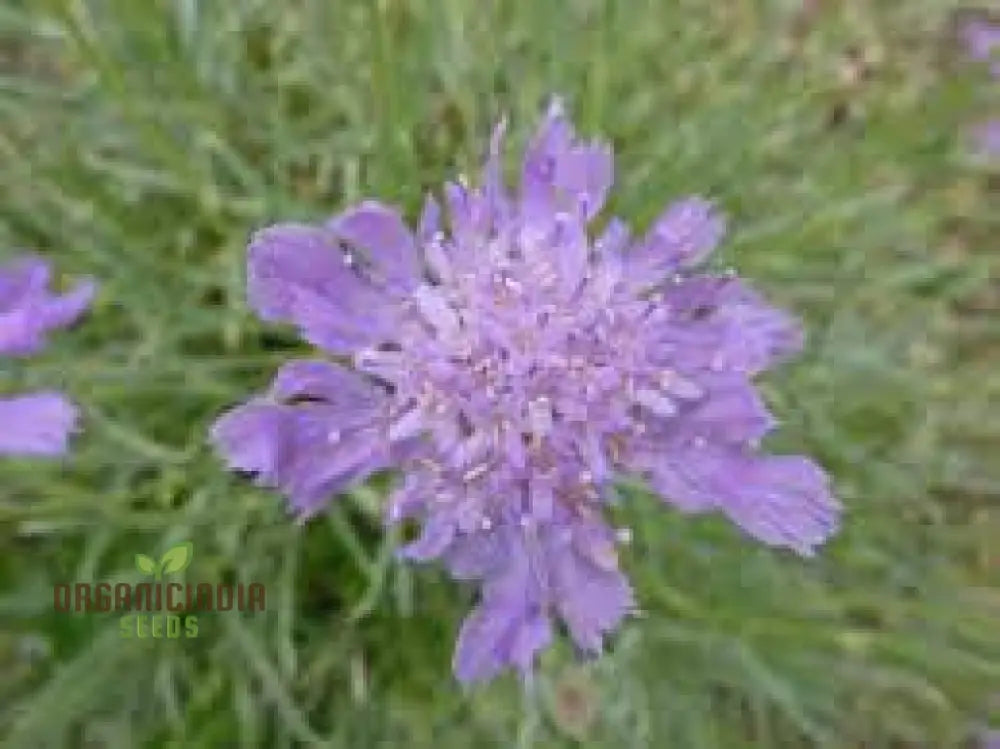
(986, 139)
(29, 311)
(982, 42)
(35, 423)
(989, 739)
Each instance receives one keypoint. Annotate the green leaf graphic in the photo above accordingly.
(145, 564)
(177, 558)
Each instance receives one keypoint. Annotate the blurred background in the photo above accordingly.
(141, 141)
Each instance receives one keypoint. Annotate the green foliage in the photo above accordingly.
(143, 141)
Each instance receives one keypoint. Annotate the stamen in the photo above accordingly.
(541, 499)
(438, 261)
(605, 556)
(540, 416)
(656, 402)
(475, 473)
(409, 425)
(678, 386)
(513, 285)
(436, 310)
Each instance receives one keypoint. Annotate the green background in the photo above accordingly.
(142, 140)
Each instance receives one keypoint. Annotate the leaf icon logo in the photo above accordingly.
(175, 559)
(145, 564)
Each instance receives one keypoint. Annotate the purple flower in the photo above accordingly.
(515, 369)
(28, 311)
(986, 139)
(982, 42)
(35, 423)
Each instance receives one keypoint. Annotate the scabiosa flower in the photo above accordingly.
(514, 369)
(35, 423)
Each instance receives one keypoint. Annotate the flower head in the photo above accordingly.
(514, 368)
(36, 423)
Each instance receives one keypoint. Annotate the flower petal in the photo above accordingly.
(23, 278)
(560, 173)
(754, 334)
(507, 629)
(569, 245)
(436, 536)
(781, 500)
(496, 202)
(722, 324)
(379, 231)
(65, 309)
(479, 652)
(285, 257)
(36, 424)
(252, 438)
(28, 310)
(469, 218)
(20, 334)
(784, 500)
(733, 412)
(476, 555)
(532, 635)
(356, 400)
(681, 479)
(297, 273)
(591, 594)
(430, 220)
(302, 450)
(681, 237)
(613, 239)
